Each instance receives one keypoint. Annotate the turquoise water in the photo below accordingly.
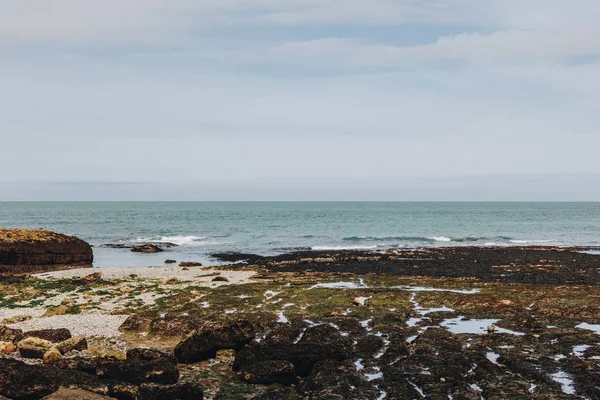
(271, 228)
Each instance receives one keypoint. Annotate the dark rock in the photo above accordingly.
(52, 335)
(170, 261)
(220, 279)
(32, 250)
(269, 372)
(76, 343)
(134, 372)
(205, 343)
(278, 393)
(141, 355)
(147, 248)
(9, 334)
(171, 392)
(27, 351)
(332, 380)
(190, 264)
(368, 346)
(319, 343)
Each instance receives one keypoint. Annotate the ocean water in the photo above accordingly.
(271, 228)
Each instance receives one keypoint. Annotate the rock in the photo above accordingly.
(75, 394)
(269, 372)
(220, 279)
(7, 347)
(24, 250)
(190, 264)
(28, 351)
(52, 355)
(185, 269)
(360, 301)
(78, 343)
(506, 302)
(491, 329)
(99, 351)
(16, 319)
(9, 334)
(319, 343)
(171, 392)
(147, 248)
(60, 310)
(204, 344)
(172, 281)
(95, 277)
(140, 354)
(52, 335)
(35, 342)
(134, 372)
(170, 261)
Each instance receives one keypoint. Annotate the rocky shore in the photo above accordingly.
(23, 250)
(447, 323)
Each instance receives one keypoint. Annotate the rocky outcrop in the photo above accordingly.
(205, 343)
(147, 248)
(38, 250)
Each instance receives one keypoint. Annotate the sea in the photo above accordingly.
(268, 228)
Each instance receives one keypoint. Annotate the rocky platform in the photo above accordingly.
(24, 250)
(510, 323)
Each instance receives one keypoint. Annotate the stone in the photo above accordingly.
(59, 310)
(147, 248)
(77, 343)
(204, 344)
(190, 264)
(506, 302)
(359, 301)
(491, 329)
(170, 261)
(75, 394)
(24, 250)
(52, 335)
(141, 354)
(172, 281)
(220, 279)
(270, 372)
(28, 351)
(34, 342)
(95, 277)
(100, 351)
(16, 319)
(149, 391)
(7, 347)
(9, 334)
(52, 355)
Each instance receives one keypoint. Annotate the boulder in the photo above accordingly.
(24, 250)
(33, 347)
(204, 344)
(7, 347)
(9, 334)
(318, 343)
(269, 372)
(52, 355)
(170, 261)
(142, 355)
(78, 343)
(190, 264)
(150, 391)
(147, 248)
(51, 335)
(220, 279)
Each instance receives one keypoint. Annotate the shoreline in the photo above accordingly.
(375, 320)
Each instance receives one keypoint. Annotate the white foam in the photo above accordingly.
(320, 248)
(517, 241)
(440, 239)
(178, 240)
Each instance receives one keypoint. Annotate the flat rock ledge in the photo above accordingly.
(23, 251)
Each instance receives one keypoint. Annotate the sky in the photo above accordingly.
(299, 100)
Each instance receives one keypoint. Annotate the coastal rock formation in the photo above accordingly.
(147, 248)
(24, 250)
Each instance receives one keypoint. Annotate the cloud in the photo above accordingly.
(503, 46)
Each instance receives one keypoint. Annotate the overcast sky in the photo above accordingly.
(300, 99)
